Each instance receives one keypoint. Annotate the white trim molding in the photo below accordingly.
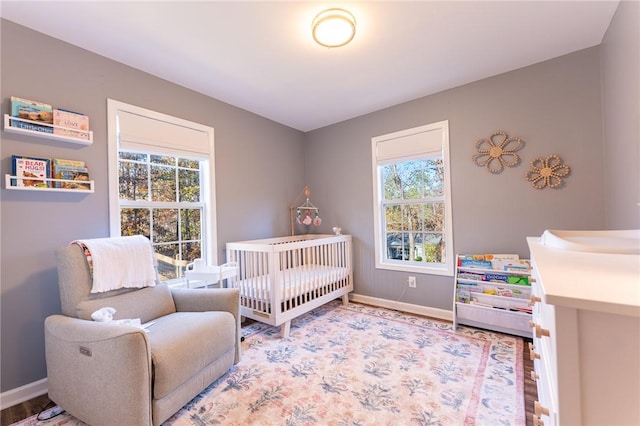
(23, 393)
(442, 314)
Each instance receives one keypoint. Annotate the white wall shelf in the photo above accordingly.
(44, 135)
(8, 185)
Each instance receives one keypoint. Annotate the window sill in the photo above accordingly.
(445, 270)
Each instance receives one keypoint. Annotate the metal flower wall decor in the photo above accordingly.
(547, 172)
(497, 151)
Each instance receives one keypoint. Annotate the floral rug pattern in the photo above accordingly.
(358, 365)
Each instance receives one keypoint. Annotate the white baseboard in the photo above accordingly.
(23, 393)
(442, 314)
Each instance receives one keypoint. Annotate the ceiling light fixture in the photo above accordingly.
(333, 27)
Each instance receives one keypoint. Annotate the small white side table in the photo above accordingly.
(210, 274)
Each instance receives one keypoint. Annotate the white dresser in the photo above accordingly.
(586, 336)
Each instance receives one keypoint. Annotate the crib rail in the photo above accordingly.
(279, 276)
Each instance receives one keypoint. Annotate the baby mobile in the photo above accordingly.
(305, 214)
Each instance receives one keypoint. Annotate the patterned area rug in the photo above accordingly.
(359, 365)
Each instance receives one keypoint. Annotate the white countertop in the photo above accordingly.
(593, 281)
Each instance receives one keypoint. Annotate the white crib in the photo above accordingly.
(309, 270)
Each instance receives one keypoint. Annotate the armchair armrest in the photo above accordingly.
(210, 299)
(86, 358)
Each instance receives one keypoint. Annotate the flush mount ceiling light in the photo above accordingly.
(333, 27)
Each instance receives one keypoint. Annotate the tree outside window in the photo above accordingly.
(413, 201)
(160, 198)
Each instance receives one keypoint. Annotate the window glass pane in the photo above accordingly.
(189, 164)
(190, 224)
(411, 179)
(414, 246)
(133, 156)
(135, 222)
(393, 218)
(396, 246)
(191, 251)
(163, 159)
(189, 181)
(163, 183)
(434, 177)
(413, 216)
(169, 263)
(392, 183)
(165, 225)
(434, 248)
(433, 219)
(133, 181)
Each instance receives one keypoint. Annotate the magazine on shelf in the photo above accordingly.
(30, 171)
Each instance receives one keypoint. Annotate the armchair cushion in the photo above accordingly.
(183, 343)
(147, 304)
(107, 374)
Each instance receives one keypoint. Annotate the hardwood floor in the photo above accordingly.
(22, 411)
(530, 388)
(34, 406)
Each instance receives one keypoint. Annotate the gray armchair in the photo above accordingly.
(106, 374)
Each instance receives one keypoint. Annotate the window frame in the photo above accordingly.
(403, 149)
(207, 164)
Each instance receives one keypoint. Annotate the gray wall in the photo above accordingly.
(259, 171)
(620, 56)
(553, 106)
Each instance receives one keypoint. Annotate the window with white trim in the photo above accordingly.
(161, 185)
(412, 200)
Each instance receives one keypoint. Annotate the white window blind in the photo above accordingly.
(140, 133)
(424, 143)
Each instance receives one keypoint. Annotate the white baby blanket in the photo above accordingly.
(121, 262)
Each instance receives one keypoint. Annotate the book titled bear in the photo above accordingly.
(30, 171)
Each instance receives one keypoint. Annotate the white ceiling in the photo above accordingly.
(259, 56)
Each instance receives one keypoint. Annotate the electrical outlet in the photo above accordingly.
(412, 282)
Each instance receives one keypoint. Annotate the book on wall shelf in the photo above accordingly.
(73, 174)
(70, 124)
(42, 120)
(30, 171)
(33, 173)
(32, 115)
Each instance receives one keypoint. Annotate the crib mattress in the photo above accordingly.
(293, 282)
